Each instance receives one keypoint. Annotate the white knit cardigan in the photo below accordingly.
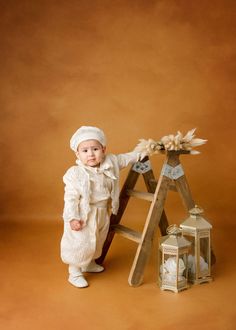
(77, 185)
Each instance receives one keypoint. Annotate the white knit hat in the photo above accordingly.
(87, 133)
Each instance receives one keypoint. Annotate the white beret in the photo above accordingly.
(87, 133)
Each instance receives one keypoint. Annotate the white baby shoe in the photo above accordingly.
(79, 281)
(93, 268)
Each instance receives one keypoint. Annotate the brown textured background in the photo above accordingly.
(137, 69)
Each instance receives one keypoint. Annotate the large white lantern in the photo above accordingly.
(173, 260)
(197, 230)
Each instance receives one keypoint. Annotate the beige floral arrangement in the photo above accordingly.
(170, 142)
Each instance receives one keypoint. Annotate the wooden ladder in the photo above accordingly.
(172, 177)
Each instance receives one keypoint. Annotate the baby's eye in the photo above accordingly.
(85, 150)
(95, 149)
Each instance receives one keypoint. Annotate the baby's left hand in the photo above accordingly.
(76, 224)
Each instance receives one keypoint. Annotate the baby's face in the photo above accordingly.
(91, 153)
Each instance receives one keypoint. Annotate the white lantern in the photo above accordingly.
(173, 260)
(197, 230)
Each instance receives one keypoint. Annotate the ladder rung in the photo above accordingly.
(127, 232)
(139, 194)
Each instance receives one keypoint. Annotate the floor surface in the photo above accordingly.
(35, 293)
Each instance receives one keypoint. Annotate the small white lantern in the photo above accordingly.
(173, 260)
(197, 230)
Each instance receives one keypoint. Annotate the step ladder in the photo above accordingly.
(172, 177)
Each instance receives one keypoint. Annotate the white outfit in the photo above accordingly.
(89, 194)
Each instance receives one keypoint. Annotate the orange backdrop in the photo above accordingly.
(137, 69)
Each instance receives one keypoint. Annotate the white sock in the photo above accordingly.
(74, 270)
(76, 277)
(93, 268)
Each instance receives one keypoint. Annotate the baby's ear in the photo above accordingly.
(77, 154)
(104, 149)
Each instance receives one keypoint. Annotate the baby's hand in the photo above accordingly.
(76, 224)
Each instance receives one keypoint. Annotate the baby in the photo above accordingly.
(91, 191)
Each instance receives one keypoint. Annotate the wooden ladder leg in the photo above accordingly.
(152, 221)
(115, 219)
(151, 184)
(183, 189)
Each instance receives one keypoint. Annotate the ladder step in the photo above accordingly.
(139, 194)
(127, 232)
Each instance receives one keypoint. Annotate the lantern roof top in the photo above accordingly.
(196, 210)
(177, 241)
(196, 220)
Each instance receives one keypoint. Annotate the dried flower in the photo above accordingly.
(148, 147)
(170, 142)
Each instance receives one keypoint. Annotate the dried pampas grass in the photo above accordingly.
(170, 142)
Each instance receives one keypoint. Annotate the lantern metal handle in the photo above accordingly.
(173, 230)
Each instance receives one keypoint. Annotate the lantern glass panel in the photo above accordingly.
(184, 258)
(167, 264)
(173, 271)
(191, 256)
(191, 239)
(169, 269)
(204, 260)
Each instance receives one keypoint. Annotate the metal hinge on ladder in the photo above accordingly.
(142, 167)
(171, 172)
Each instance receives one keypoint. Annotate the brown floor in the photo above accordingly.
(35, 293)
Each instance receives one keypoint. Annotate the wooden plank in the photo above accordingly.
(181, 183)
(172, 187)
(151, 184)
(183, 189)
(127, 232)
(171, 184)
(140, 194)
(152, 221)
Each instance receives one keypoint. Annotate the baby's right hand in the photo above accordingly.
(76, 224)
